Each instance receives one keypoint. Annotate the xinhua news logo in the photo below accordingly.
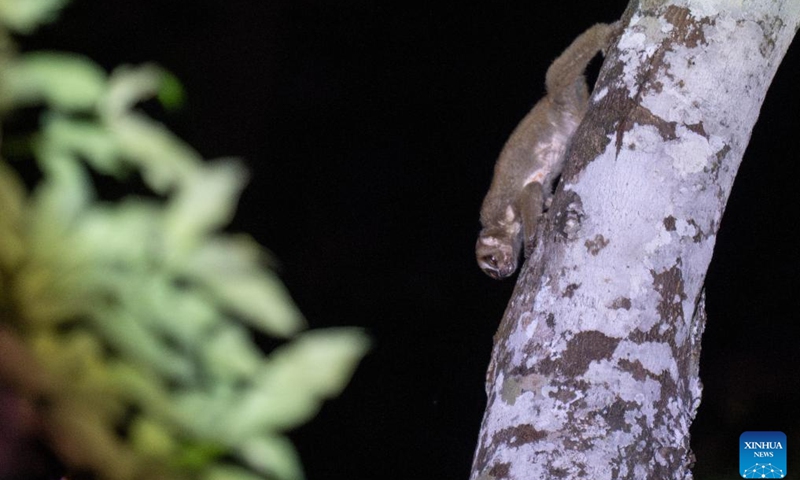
(762, 455)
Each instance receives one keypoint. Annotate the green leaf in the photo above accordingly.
(129, 85)
(291, 387)
(125, 333)
(88, 139)
(321, 360)
(46, 297)
(230, 268)
(82, 438)
(12, 202)
(196, 456)
(164, 160)
(12, 195)
(201, 411)
(163, 157)
(25, 15)
(205, 201)
(231, 355)
(177, 311)
(171, 94)
(272, 456)
(142, 387)
(117, 238)
(66, 190)
(229, 472)
(151, 438)
(64, 81)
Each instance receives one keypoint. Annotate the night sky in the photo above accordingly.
(371, 128)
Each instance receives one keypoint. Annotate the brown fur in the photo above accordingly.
(533, 157)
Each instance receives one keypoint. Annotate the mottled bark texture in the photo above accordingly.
(594, 372)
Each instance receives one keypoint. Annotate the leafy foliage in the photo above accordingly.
(132, 319)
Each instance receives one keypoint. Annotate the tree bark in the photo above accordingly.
(594, 372)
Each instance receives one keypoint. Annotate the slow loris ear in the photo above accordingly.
(533, 158)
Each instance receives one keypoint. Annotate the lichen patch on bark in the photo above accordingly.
(595, 245)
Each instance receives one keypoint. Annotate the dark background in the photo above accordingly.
(371, 128)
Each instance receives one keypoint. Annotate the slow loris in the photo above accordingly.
(533, 157)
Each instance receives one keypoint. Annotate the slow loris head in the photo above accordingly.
(498, 247)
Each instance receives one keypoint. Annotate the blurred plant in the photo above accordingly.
(124, 322)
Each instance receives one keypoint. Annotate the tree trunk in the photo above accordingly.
(594, 372)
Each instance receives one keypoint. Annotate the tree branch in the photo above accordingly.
(594, 372)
